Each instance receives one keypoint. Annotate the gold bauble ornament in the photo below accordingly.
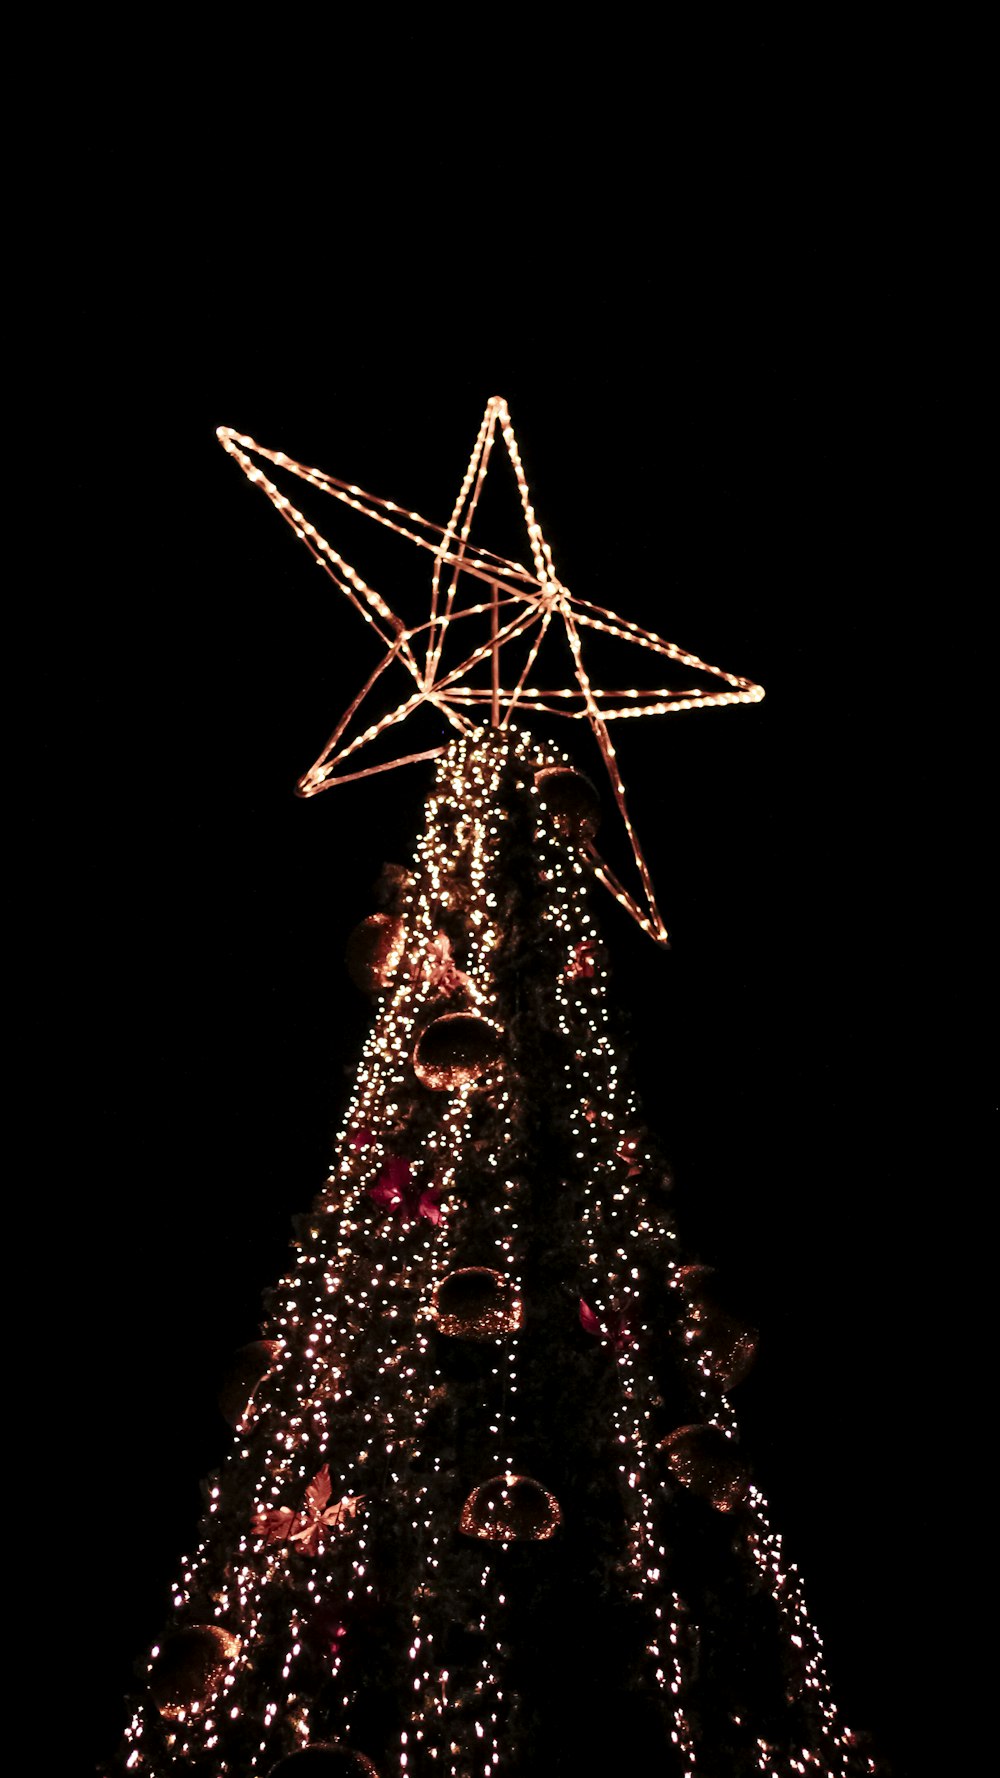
(511, 1509)
(456, 1049)
(706, 1461)
(189, 1667)
(476, 1304)
(374, 951)
(723, 1347)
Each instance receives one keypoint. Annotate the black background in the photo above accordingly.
(715, 361)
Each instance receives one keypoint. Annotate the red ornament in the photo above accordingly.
(309, 1529)
(615, 1329)
(403, 1196)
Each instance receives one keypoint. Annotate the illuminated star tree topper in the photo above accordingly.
(500, 608)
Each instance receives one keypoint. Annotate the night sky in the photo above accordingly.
(709, 438)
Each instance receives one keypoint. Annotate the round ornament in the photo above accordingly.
(723, 1347)
(454, 1050)
(724, 1350)
(247, 1367)
(189, 1667)
(329, 1761)
(374, 950)
(510, 1509)
(706, 1461)
(476, 1304)
(571, 802)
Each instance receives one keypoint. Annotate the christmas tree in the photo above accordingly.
(486, 1508)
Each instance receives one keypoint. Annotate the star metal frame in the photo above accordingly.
(518, 604)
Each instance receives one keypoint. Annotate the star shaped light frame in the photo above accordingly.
(519, 605)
